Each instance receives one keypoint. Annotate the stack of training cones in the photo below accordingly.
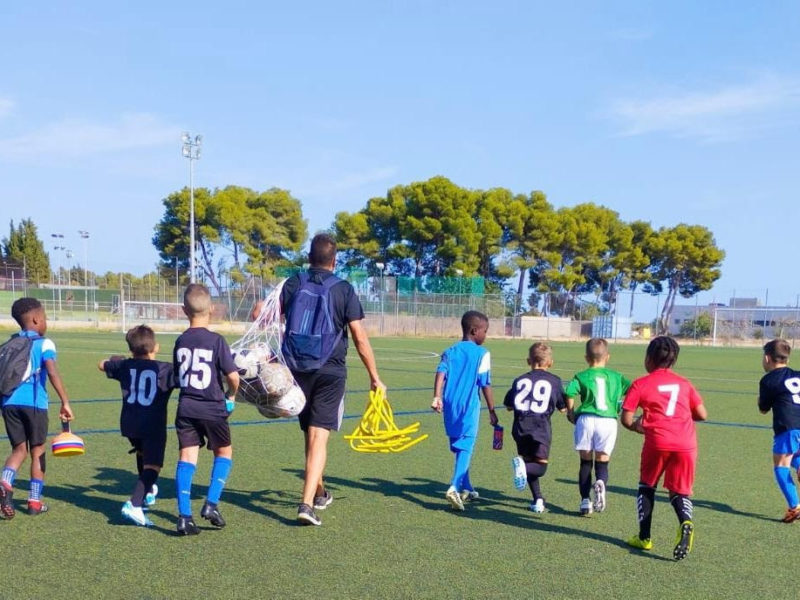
(377, 431)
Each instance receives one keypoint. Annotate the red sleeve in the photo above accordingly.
(695, 399)
(632, 398)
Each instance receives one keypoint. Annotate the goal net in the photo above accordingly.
(168, 314)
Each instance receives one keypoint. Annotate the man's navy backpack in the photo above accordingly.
(310, 336)
(15, 355)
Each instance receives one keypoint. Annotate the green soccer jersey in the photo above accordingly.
(599, 390)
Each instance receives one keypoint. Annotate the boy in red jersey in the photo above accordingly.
(670, 405)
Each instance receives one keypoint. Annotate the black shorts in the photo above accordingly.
(152, 449)
(25, 424)
(324, 400)
(529, 448)
(195, 432)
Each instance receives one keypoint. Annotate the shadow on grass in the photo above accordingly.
(493, 506)
(662, 496)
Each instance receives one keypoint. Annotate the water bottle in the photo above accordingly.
(497, 440)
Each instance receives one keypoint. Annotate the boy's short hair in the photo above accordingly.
(196, 299)
(323, 250)
(778, 350)
(596, 349)
(141, 340)
(662, 352)
(540, 354)
(472, 319)
(23, 306)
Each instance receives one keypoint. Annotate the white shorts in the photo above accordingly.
(598, 434)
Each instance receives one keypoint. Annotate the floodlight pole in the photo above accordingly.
(85, 237)
(59, 236)
(381, 266)
(191, 150)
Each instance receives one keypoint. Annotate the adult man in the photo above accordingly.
(323, 385)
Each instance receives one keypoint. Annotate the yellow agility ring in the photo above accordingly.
(377, 431)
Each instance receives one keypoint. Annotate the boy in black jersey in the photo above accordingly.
(533, 397)
(779, 391)
(146, 386)
(202, 360)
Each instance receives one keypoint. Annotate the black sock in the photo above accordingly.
(535, 471)
(143, 486)
(644, 506)
(683, 507)
(601, 471)
(139, 464)
(585, 478)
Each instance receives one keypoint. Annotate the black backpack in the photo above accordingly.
(15, 355)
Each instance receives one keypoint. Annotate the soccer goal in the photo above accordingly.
(168, 315)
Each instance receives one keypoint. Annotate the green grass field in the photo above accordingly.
(389, 532)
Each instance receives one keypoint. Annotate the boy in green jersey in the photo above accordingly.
(600, 391)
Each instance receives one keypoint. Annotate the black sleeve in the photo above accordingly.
(166, 377)
(113, 368)
(764, 397)
(226, 364)
(558, 394)
(508, 401)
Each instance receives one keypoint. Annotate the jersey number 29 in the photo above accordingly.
(532, 397)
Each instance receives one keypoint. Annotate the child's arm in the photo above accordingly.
(570, 401)
(55, 380)
(699, 412)
(489, 396)
(102, 364)
(438, 386)
(233, 387)
(628, 422)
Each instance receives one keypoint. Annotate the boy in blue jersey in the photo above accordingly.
(201, 360)
(146, 385)
(779, 391)
(464, 369)
(25, 410)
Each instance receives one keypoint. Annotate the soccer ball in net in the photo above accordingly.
(288, 405)
(250, 361)
(276, 379)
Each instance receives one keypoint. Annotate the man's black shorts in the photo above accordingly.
(25, 424)
(152, 449)
(324, 400)
(195, 432)
(527, 447)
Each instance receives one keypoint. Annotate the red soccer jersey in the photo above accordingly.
(666, 400)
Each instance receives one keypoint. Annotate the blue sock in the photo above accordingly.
(461, 470)
(466, 484)
(183, 480)
(219, 475)
(37, 485)
(9, 475)
(783, 475)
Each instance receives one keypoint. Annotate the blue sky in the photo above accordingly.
(664, 111)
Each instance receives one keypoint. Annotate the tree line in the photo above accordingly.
(435, 227)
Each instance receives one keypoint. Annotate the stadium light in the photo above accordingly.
(85, 237)
(59, 246)
(381, 266)
(191, 150)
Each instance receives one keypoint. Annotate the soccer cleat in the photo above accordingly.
(212, 514)
(35, 507)
(135, 514)
(187, 526)
(537, 506)
(599, 496)
(586, 507)
(469, 495)
(637, 542)
(6, 505)
(307, 516)
(150, 497)
(454, 498)
(792, 514)
(520, 474)
(324, 501)
(683, 543)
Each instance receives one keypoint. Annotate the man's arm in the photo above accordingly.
(364, 349)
